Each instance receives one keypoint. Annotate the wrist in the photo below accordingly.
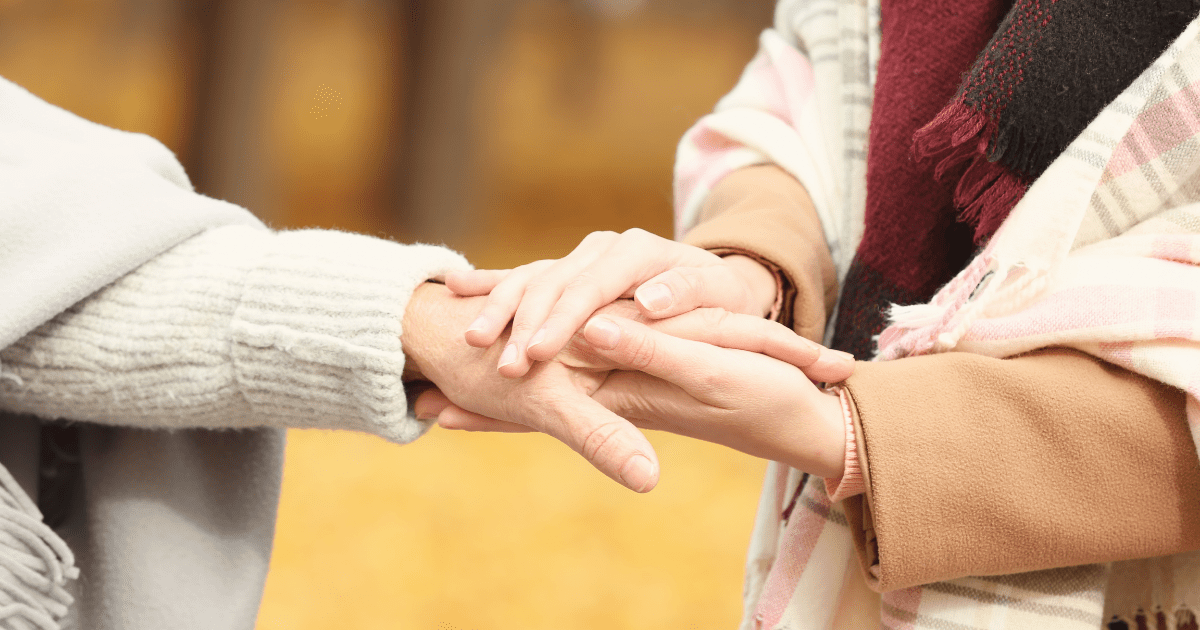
(424, 319)
(760, 282)
(824, 454)
(852, 482)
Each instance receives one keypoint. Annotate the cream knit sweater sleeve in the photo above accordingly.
(235, 327)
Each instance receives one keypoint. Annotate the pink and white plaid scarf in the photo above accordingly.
(1102, 255)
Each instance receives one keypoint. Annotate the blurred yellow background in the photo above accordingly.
(507, 129)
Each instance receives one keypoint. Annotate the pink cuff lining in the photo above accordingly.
(851, 483)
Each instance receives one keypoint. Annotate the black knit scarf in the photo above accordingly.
(941, 178)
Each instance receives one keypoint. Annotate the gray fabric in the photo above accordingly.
(173, 529)
(81, 205)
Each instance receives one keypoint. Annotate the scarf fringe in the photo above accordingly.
(1182, 619)
(35, 563)
(987, 190)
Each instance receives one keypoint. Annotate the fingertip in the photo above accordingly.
(512, 364)
(654, 297)
(543, 351)
(480, 338)
(548, 341)
(639, 473)
(602, 332)
(843, 357)
(842, 363)
(508, 356)
(804, 353)
(832, 366)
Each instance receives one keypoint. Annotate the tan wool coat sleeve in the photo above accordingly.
(973, 465)
(982, 466)
(764, 213)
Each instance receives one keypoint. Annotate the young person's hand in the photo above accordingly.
(553, 397)
(732, 379)
(747, 401)
(548, 300)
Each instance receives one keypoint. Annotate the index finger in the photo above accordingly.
(754, 334)
(637, 257)
(635, 346)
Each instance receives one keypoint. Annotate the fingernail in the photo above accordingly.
(655, 297)
(479, 324)
(509, 356)
(602, 332)
(637, 473)
(538, 337)
(843, 357)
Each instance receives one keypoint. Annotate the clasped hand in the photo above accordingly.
(695, 367)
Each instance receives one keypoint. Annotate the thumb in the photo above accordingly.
(611, 443)
(682, 289)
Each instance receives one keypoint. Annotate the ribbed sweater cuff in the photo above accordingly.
(316, 336)
(236, 327)
(851, 482)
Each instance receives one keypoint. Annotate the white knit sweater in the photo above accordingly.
(149, 314)
(236, 327)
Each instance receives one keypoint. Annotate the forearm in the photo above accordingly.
(765, 214)
(237, 327)
(978, 466)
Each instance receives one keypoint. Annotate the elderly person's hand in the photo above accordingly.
(717, 376)
(548, 300)
(553, 398)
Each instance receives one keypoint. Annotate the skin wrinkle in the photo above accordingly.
(544, 399)
(597, 437)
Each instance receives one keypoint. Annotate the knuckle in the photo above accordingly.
(710, 380)
(531, 267)
(539, 284)
(641, 352)
(521, 327)
(537, 406)
(508, 293)
(562, 320)
(585, 287)
(595, 438)
(637, 239)
(496, 312)
(597, 238)
(518, 334)
(692, 281)
(636, 233)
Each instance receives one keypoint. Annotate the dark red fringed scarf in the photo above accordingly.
(973, 100)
